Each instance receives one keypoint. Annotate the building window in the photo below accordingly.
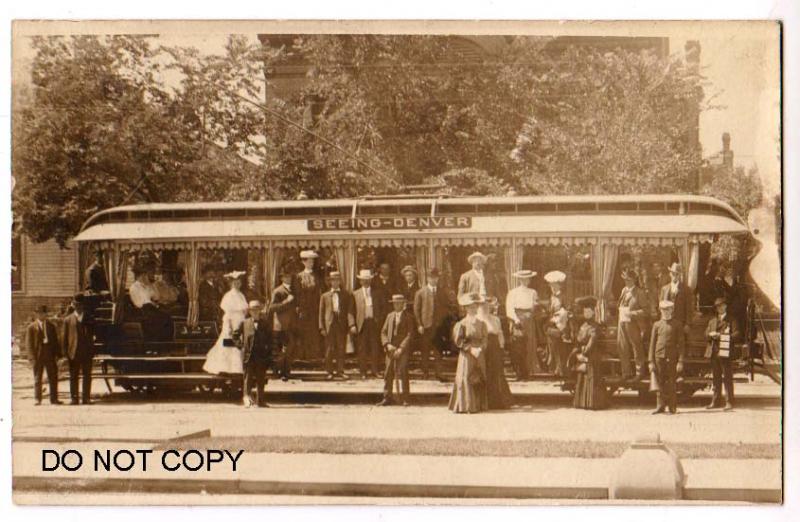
(16, 263)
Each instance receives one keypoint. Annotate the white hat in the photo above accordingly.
(335, 275)
(365, 273)
(524, 274)
(398, 298)
(255, 303)
(408, 268)
(308, 254)
(556, 276)
(675, 267)
(666, 305)
(236, 274)
(476, 254)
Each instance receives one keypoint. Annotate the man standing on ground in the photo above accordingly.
(666, 353)
(722, 334)
(283, 310)
(336, 319)
(79, 349)
(256, 353)
(41, 343)
(680, 294)
(632, 304)
(430, 310)
(475, 281)
(396, 336)
(369, 303)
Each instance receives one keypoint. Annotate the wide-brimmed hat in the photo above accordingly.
(555, 276)
(587, 301)
(408, 268)
(308, 254)
(335, 274)
(477, 255)
(666, 305)
(675, 267)
(255, 303)
(470, 299)
(720, 300)
(398, 298)
(365, 274)
(524, 274)
(235, 274)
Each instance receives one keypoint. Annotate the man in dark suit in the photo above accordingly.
(370, 304)
(431, 307)
(79, 349)
(256, 352)
(283, 308)
(208, 296)
(95, 276)
(632, 306)
(722, 334)
(665, 357)
(396, 336)
(386, 281)
(307, 289)
(336, 319)
(680, 294)
(42, 345)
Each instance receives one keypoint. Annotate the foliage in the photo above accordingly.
(616, 123)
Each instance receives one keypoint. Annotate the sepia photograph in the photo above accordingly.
(396, 262)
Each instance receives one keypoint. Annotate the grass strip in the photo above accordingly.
(464, 447)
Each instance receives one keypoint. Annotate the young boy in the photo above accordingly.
(256, 352)
(667, 347)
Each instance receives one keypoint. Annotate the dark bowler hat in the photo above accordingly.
(433, 272)
(588, 301)
(720, 300)
(286, 273)
(41, 309)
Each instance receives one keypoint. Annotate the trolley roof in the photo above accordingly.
(414, 218)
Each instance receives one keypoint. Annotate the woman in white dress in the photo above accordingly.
(224, 357)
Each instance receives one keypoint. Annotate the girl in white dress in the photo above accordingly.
(228, 359)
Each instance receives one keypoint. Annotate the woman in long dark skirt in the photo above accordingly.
(470, 336)
(590, 389)
(497, 390)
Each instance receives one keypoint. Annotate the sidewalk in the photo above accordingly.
(751, 480)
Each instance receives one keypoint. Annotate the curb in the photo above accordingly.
(261, 487)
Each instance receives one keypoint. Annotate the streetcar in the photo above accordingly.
(588, 237)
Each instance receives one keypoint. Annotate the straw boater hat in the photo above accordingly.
(335, 275)
(588, 301)
(398, 298)
(524, 274)
(365, 273)
(308, 254)
(666, 305)
(408, 268)
(675, 267)
(556, 276)
(255, 303)
(470, 299)
(477, 255)
(236, 274)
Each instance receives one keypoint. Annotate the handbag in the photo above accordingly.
(229, 343)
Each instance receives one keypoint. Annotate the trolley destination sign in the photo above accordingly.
(390, 223)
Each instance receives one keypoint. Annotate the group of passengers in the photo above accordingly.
(384, 320)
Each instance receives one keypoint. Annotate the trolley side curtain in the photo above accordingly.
(116, 263)
(603, 266)
(346, 263)
(512, 262)
(273, 260)
(422, 253)
(694, 266)
(192, 271)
